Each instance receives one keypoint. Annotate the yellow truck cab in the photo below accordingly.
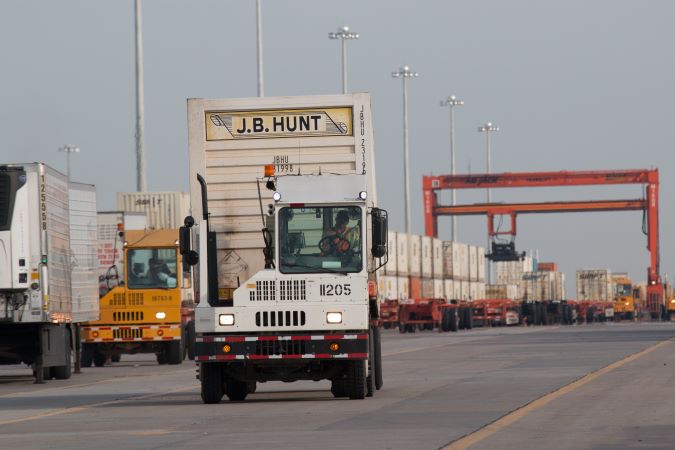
(625, 306)
(151, 310)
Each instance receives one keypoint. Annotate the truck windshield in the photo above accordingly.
(151, 268)
(623, 290)
(323, 239)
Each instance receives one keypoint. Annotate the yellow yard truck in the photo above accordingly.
(626, 306)
(151, 307)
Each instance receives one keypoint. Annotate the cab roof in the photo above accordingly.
(151, 238)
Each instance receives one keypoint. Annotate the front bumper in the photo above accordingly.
(281, 347)
(131, 333)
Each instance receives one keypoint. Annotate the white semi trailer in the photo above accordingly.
(48, 266)
(287, 238)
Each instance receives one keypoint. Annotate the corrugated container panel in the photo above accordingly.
(390, 268)
(450, 259)
(415, 266)
(481, 290)
(449, 289)
(387, 287)
(473, 263)
(473, 290)
(402, 266)
(437, 247)
(481, 264)
(163, 209)
(463, 259)
(111, 245)
(500, 291)
(83, 257)
(427, 255)
(439, 288)
(415, 287)
(402, 287)
(547, 267)
(465, 290)
(381, 286)
(594, 284)
(457, 290)
(427, 288)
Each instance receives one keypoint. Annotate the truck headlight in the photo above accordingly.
(226, 319)
(334, 317)
(161, 315)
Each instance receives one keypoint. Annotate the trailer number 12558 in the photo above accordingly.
(327, 290)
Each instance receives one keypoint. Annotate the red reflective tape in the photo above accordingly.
(291, 356)
(108, 339)
(323, 355)
(361, 336)
(205, 339)
(258, 357)
(334, 337)
(167, 338)
(104, 328)
(357, 355)
(301, 338)
(297, 205)
(268, 338)
(235, 338)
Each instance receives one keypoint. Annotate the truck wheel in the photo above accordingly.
(87, 357)
(379, 379)
(252, 386)
(454, 320)
(64, 372)
(356, 380)
(190, 340)
(236, 390)
(161, 357)
(445, 321)
(99, 358)
(370, 379)
(468, 319)
(174, 352)
(401, 328)
(338, 387)
(386, 325)
(211, 377)
(116, 358)
(410, 328)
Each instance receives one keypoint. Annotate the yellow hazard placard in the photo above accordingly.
(224, 125)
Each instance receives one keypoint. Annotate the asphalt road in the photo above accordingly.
(543, 387)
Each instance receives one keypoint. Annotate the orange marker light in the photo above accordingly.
(160, 332)
(227, 348)
(269, 170)
(334, 347)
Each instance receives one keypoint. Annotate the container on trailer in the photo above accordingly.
(594, 284)
(437, 252)
(415, 266)
(481, 264)
(462, 273)
(473, 263)
(481, 290)
(547, 267)
(449, 289)
(163, 209)
(465, 290)
(501, 291)
(451, 260)
(473, 290)
(415, 287)
(427, 288)
(390, 268)
(439, 288)
(558, 285)
(457, 290)
(387, 287)
(402, 257)
(402, 287)
(427, 257)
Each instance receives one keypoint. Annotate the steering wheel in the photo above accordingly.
(341, 246)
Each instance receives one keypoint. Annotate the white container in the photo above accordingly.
(473, 290)
(111, 245)
(415, 266)
(457, 290)
(387, 287)
(449, 289)
(437, 251)
(402, 266)
(427, 256)
(481, 290)
(427, 285)
(594, 284)
(450, 260)
(463, 272)
(481, 264)
(163, 209)
(402, 287)
(502, 291)
(473, 263)
(439, 288)
(390, 268)
(465, 290)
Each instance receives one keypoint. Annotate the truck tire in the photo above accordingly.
(379, 378)
(64, 372)
(356, 379)
(174, 352)
(252, 386)
(236, 391)
(338, 387)
(211, 378)
(401, 328)
(161, 357)
(454, 320)
(445, 320)
(370, 379)
(461, 318)
(468, 320)
(99, 358)
(190, 340)
(87, 357)
(116, 358)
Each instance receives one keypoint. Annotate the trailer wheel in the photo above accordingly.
(356, 379)
(235, 390)
(454, 320)
(190, 340)
(410, 328)
(211, 378)
(338, 387)
(445, 320)
(99, 359)
(468, 321)
(252, 386)
(370, 379)
(64, 372)
(379, 379)
(173, 352)
(87, 357)
(461, 318)
(401, 328)
(386, 325)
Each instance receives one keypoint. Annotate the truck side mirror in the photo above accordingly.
(380, 231)
(190, 257)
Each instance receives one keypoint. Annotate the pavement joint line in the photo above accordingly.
(515, 415)
(76, 409)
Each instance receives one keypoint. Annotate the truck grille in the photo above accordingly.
(136, 298)
(280, 318)
(127, 316)
(280, 348)
(127, 333)
(265, 291)
(292, 290)
(118, 300)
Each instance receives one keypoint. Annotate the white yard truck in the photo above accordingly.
(48, 267)
(287, 239)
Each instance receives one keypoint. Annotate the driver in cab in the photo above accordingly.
(339, 239)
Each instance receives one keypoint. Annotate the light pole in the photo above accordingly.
(69, 150)
(258, 21)
(405, 73)
(140, 110)
(451, 102)
(488, 128)
(344, 34)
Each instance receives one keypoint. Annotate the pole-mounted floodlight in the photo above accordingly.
(69, 150)
(450, 103)
(344, 34)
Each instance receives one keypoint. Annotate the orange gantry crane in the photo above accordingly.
(649, 204)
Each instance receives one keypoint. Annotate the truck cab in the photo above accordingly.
(151, 309)
(625, 306)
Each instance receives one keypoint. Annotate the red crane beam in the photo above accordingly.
(545, 207)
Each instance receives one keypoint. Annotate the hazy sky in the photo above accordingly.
(578, 85)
